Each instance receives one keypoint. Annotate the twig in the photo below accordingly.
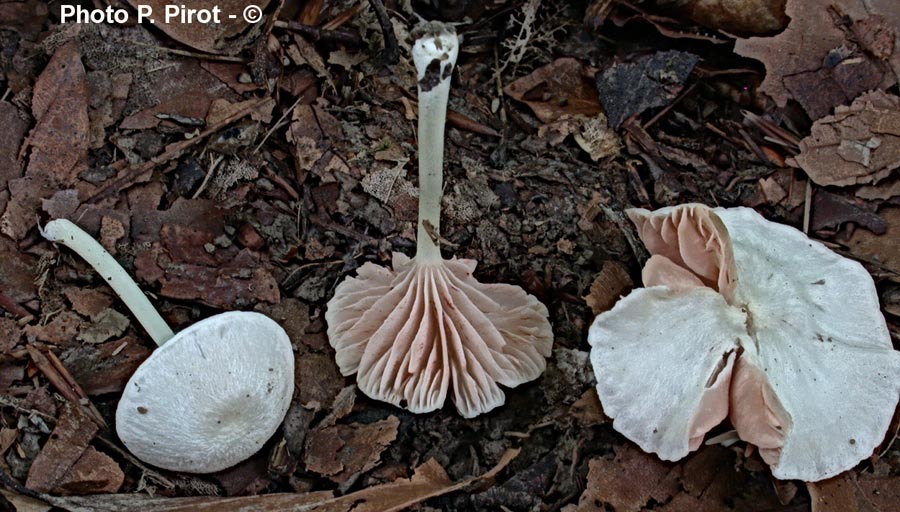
(319, 34)
(807, 206)
(62, 380)
(7, 303)
(195, 55)
(671, 104)
(391, 47)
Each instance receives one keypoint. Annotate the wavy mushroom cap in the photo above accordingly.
(421, 330)
(211, 396)
(810, 374)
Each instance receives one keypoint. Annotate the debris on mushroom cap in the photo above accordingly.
(793, 348)
(424, 329)
(211, 396)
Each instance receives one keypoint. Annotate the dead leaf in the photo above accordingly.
(597, 139)
(610, 284)
(105, 325)
(564, 87)
(713, 483)
(744, 17)
(213, 37)
(628, 481)
(342, 452)
(105, 368)
(810, 60)
(629, 88)
(880, 249)
(15, 126)
(182, 92)
(88, 301)
(60, 330)
(848, 492)
(830, 211)
(858, 144)
(588, 410)
(429, 481)
(67, 465)
(834, 495)
(240, 282)
(883, 191)
(16, 272)
(58, 142)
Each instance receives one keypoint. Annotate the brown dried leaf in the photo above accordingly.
(858, 144)
(563, 87)
(610, 284)
(834, 495)
(182, 92)
(15, 127)
(832, 210)
(809, 60)
(105, 368)
(883, 191)
(67, 465)
(849, 493)
(744, 17)
(628, 481)
(341, 452)
(58, 142)
(60, 330)
(629, 88)
(208, 37)
(714, 484)
(880, 249)
(16, 272)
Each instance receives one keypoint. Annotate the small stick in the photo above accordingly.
(7, 303)
(62, 381)
(319, 34)
(807, 206)
(391, 47)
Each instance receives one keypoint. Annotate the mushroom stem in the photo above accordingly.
(434, 54)
(65, 232)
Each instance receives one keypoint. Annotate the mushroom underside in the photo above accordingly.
(425, 330)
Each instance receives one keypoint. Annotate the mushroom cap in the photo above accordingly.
(816, 380)
(423, 329)
(211, 396)
(663, 361)
(820, 340)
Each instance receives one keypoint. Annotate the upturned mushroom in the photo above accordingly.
(747, 319)
(427, 327)
(209, 396)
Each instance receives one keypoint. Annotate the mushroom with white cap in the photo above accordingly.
(427, 328)
(211, 395)
(751, 320)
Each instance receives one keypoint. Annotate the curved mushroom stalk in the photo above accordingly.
(427, 328)
(423, 330)
(212, 394)
(790, 334)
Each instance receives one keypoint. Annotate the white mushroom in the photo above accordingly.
(752, 320)
(212, 394)
(428, 328)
